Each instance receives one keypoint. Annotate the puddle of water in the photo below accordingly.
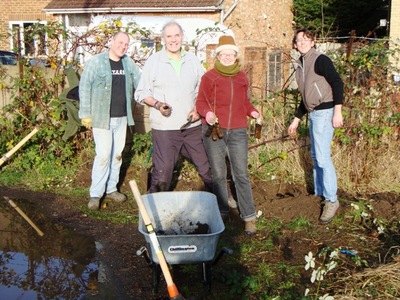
(61, 264)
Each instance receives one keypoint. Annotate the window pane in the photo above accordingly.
(28, 40)
(274, 77)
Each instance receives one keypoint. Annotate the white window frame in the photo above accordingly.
(275, 70)
(21, 25)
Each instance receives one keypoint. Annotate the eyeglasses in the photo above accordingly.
(227, 54)
(302, 40)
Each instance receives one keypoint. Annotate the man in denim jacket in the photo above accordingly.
(106, 90)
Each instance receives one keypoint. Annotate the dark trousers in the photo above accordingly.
(167, 146)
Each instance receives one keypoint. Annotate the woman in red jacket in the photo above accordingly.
(223, 102)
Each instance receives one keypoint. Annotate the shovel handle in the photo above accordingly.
(24, 216)
(19, 145)
(172, 289)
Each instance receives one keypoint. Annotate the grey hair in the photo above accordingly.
(118, 33)
(170, 23)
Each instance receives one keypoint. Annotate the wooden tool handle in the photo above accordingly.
(19, 145)
(172, 289)
(24, 216)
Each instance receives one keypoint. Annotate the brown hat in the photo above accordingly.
(226, 42)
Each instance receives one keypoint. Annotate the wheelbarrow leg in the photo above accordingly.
(207, 266)
(220, 253)
(207, 275)
(156, 277)
(156, 274)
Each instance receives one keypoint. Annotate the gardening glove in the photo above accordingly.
(87, 122)
(211, 118)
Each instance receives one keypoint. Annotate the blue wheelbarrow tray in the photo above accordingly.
(176, 216)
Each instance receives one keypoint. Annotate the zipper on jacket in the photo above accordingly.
(317, 88)
(304, 80)
(230, 105)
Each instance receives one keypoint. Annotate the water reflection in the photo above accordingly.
(59, 265)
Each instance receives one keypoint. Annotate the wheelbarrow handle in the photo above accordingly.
(172, 289)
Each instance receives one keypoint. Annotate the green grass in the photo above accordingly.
(11, 178)
(300, 223)
(273, 227)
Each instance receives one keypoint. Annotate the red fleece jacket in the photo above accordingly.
(227, 97)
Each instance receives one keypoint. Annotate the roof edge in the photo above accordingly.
(131, 10)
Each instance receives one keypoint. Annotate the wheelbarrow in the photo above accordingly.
(188, 225)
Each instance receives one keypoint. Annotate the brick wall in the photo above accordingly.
(19, 10)
(395, 19)
(395, 27)
(262, 22)
(260, 27)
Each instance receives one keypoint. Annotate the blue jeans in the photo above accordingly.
(321, 134)
(109, 144)
(233, 145)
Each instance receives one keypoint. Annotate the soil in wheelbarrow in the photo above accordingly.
(131, 274)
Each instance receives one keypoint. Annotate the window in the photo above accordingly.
(23, 40)
(274, 73)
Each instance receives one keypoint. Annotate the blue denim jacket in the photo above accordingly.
(95, 89)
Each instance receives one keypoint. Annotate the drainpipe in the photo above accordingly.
(226, 15)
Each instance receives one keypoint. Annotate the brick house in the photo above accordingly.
(394, 29)
(262, 28)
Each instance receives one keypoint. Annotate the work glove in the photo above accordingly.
(87, 122)
(211, 118)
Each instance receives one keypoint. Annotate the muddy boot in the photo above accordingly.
(250, 227)
(94, 203)
(116, 197)
(329, 211)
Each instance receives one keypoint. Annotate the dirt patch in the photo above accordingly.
(133, 276)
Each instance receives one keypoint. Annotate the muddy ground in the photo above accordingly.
(132, 276)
